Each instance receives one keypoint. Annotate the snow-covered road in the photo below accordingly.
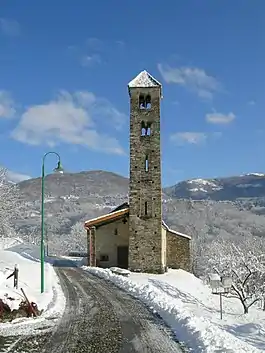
(100, 317)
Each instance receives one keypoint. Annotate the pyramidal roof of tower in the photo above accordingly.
(144, 79)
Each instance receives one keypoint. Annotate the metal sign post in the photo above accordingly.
(221, 306)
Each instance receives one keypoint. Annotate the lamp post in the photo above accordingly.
(42, 249)
(47, 242)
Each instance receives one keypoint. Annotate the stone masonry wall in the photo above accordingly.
(178, 252)
(145, 241)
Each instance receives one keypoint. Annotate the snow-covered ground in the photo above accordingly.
(52, 301)
(6, 243)
(192, 311)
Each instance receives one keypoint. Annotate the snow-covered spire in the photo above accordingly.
(144, 80)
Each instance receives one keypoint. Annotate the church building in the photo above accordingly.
(134, 235)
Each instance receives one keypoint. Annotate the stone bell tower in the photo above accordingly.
(147, 242)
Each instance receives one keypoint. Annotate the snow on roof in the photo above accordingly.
(116, 214)
(175, 232)
(144, 79)
(105, 217)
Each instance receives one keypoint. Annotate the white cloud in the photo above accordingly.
(92, 52)
(195, 79)
(90, 60)
(7, 106)
(72, 119)
(88, 54)
(17, 177)
(9, 27)
(94, 43)
(195, 138)
(219, 118)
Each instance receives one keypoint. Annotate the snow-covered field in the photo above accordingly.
(52, 301)
(181, 299)
(192, 311)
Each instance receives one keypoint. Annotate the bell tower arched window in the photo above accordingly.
(145, 129)
(145, 101)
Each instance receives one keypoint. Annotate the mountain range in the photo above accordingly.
(189, 206)
(220, 189)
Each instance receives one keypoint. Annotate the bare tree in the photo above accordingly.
(79, 236)
(244, 263)
(9, 204)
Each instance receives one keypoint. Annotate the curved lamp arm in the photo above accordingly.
(59, 167)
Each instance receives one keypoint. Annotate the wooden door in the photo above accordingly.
(122, 256)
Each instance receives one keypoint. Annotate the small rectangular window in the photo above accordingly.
(115, 231)
(146, 163)
(104, 258)
(145, 208)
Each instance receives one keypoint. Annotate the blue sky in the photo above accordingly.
(65, 65)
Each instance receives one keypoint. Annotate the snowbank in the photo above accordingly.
(79, 261)
(52, 301)
(6, 243)
(192, 311)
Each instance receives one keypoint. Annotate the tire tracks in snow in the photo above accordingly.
(99, 317)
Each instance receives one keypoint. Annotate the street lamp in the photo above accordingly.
(58, 169)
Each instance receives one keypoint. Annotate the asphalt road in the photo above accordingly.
(100, 318)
